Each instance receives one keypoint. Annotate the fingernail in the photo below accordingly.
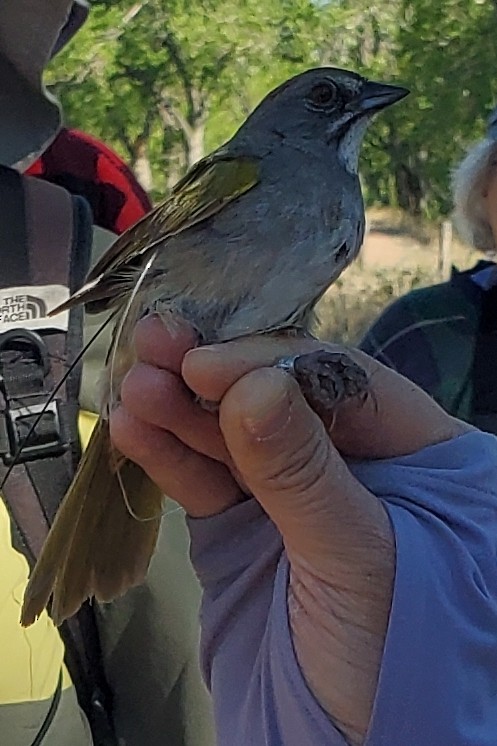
(207, 350)
(203, 357)
(270, 411)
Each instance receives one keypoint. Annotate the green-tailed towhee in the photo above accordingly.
(248, 242)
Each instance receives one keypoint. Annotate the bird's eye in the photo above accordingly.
(322, 95)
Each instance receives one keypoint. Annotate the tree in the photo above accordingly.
(165, 80)
(447, 54)
(150, 76)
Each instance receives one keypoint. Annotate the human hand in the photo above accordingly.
(266, 440)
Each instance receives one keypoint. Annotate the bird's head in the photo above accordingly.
(322, 107)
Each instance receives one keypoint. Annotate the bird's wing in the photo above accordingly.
(211, 184)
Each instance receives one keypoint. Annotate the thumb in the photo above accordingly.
(290, 465)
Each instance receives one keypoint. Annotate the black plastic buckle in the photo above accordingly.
(31, 426)
(31, 432)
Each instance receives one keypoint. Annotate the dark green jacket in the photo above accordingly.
(430, 336)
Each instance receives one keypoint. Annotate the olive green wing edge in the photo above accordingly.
(210, 185)
(205, 190)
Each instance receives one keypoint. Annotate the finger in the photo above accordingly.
(201, 486)
(211, 370)
(396, 418)
(163, 340)
(289, 463)
(160, 398)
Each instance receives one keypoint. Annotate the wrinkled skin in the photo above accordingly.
(267, 441)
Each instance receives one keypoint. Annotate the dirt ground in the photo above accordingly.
(398, 254)
(392, 240)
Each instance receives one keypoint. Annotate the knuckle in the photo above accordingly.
(131, 386)
(121, 431)
(149, 392)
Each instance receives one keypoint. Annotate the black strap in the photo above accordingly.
(13, 230)
(52, 247)
(484, 365)
(49, 717)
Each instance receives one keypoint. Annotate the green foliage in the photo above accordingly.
(449, 56)
(165, 80)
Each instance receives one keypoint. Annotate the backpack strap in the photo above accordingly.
(45, 245)
(36, 232)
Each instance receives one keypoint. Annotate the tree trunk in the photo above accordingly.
(195, 142)
(191, 128)
(142, 167)
(175, 166)
(409, 189)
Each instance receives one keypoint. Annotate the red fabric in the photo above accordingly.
(83, 165)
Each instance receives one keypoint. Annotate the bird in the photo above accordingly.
(246, 243)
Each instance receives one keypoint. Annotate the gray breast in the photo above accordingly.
(265, 259)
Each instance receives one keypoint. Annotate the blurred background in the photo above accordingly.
(166, 81)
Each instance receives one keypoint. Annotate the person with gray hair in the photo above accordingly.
(472, 182)
(444, 337)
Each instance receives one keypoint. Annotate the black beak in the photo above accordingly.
(376, 96)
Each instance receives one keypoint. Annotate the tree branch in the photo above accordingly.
(172, 117)
(174, 50)
(129, 16)
(126, 141)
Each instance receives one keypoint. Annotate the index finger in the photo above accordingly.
(163, 340)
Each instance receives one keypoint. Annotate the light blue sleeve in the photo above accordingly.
(438, 680)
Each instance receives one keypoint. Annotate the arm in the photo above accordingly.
(248, 656)
(338, 537)
(444, 525)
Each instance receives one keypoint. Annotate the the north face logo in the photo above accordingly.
(26, 307)
(21, 308)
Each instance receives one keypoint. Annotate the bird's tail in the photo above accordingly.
(100, 544)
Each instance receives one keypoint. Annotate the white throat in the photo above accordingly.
(350, 144)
